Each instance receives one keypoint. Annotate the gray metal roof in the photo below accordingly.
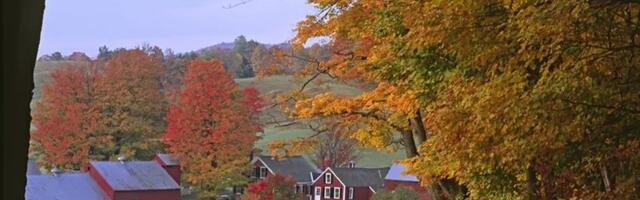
(295, 166)
(168, 159)
(135, 175)
(396, 173)
(357, 177)
(62, 187)
(32, 168)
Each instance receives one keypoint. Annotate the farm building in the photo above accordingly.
(295, 166)
(108, 180)
(129, 180)
(348, 183)
(63, 186)
(170, 164)
(397, 178)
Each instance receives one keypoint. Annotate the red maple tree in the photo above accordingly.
(275, 187)
(63, 117)
(210, 129)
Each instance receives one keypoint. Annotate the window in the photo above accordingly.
(263, 172)
(350, 193)
(327, 192)
(256, 172)
(327, 178)
(336, 192)
(297, 189)
(305, 189)
(318, 191)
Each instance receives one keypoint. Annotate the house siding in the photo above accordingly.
(148, 195)
(100, 181)
(335, 182)
(361, 193)
(391, 185)
(174, 170)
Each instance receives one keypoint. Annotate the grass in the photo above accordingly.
(366, 158)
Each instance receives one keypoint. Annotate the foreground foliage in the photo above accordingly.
(490, 99)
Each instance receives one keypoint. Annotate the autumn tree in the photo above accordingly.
(210, 129)
(496, 94)
(273, 187)
(131, 105)
(64, 117)
(334, 148)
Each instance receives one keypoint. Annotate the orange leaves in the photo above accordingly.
(131, 104)
(211, 128)
(64, 117)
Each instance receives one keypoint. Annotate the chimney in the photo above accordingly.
(351, 164)
(122, 159)
(326, 164)
(55, 171)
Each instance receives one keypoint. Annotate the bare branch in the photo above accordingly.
(242, 2)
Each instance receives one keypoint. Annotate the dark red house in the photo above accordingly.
(134, 180)
(398, 178)
(170, 164)
(348, 183)
(295, 166)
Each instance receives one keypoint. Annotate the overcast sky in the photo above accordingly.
(182, 25)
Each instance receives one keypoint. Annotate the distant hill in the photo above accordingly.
(230, 45)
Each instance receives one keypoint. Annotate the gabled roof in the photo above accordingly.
(396, 173)
(63, 186)
(295, 166)
(168, 159)
(32, 168)
(359, 177)
(135, 175)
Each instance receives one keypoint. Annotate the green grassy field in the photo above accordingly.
(366, 157)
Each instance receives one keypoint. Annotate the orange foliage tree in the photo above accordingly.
(131, 105)
(64, 117)
(210, 129)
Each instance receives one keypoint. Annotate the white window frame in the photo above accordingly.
(337, 192)
(350, 192)
(327, 178)
(263, 172)
(327, 193)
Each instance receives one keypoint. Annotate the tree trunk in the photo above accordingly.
(409, 144)
(605, 178)
(531, 182)
(420, 131)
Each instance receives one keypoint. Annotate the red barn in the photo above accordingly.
(295, 166)
(348, 183)
(170, 164)
(398, 178)
(134, 180)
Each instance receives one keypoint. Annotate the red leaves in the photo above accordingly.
(64, 117)
(276, 186)
(252, 99)
(211, 123)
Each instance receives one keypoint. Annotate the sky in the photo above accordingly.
(182, 25)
